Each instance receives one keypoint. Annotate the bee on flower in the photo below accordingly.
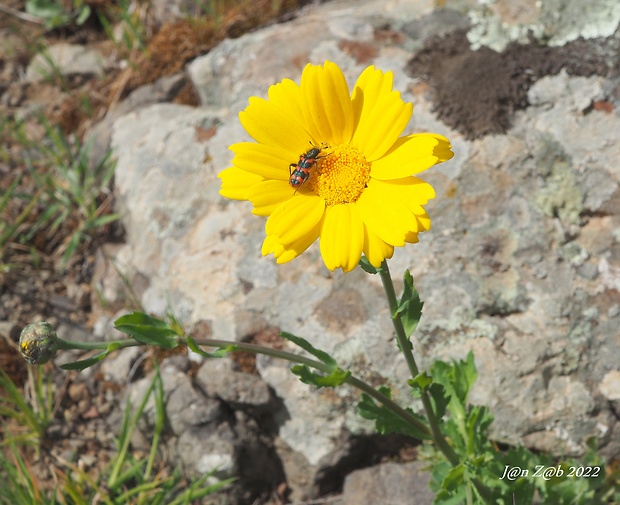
(300, 171)
(363, 197)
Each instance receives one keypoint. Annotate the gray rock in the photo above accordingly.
(187, 407)
(610, 385)
(556, 21)
(202, 450)
(118, 367)
(161, 91)
(388, 484)
(237, 389)
(65, 59)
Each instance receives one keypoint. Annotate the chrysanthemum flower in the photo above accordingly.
(359, 194)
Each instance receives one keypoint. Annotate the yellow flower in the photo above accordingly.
(358, 194)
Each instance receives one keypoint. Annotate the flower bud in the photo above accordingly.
(38, 343)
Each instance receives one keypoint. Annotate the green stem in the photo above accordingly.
(405, 346)
(318, 365)
(275, 353)
(89, 346)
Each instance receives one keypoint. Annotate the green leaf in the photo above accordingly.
(147, 330)
(220, 353)
(450, 485)
(424, 382)
(367, 266)
(83, 15)
(421, 381)
(386, 421)
(76, 238)
(478, 420)
(334, 379)
(46, 9)
(85, 363)
(101, 220)
(410, 306)
(457, 377)
(455, 477)
(195, 491)
(439, 398)
(306, 346)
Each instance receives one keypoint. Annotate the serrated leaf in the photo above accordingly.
(410, 306)
(439, 398)
(220, 353)
(386, 421)
(479, 418)
(455, 477)
(147, 330)
(308, 347)
(334, 379)
(457, 377)
(455, 497)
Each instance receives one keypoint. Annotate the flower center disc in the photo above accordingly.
(341, 175)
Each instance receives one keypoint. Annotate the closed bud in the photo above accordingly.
(38, 343)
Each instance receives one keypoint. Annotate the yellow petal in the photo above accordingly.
(371, 84)
(385, 213)
(375, 249)
(412, 191)
(267, 196)
(269, 124)
(237, 183)
(383, 115)
(342, 237)
(423, 219)
(328, 112)
(287, 252)
(294, 249)
(295, 218)
(288, 97)
(411, 238)
(410, 155)
(267, 161)
(443, 151)
(270, 245)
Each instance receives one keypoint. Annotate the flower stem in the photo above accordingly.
(89, 346)
(401, 336)
(267, 351)
(405, 347)
(318, 365)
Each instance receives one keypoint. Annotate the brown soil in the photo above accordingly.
(477, 92)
